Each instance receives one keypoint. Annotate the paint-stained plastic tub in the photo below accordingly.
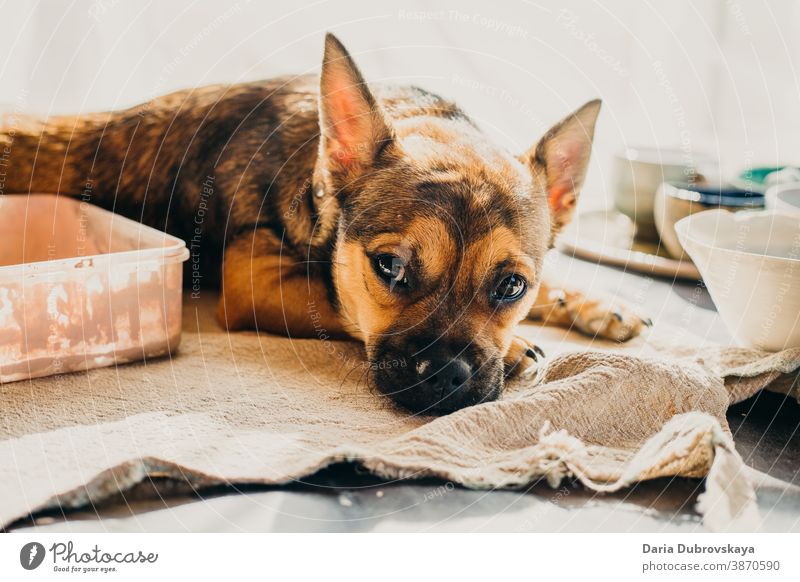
(81, 288)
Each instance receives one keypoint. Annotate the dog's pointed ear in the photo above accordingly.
(560, 160)
(353, 129)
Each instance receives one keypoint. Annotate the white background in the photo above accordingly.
(403, 557)
(717, 75)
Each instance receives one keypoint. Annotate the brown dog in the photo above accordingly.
(379, 213)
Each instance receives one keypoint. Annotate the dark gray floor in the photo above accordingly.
(341, 498)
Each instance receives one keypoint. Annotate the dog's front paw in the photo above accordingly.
(604, 318)
(521, 356)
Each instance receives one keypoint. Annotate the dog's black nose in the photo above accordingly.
(434, 377)
(443, 378)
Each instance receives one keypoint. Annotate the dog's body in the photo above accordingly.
(380, 213)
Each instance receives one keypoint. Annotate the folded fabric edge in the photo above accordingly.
(691, 444)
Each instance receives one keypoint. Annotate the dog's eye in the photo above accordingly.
(391, 269)
(510, 289)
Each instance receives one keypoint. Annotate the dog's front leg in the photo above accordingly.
(595, 316)
(265, 288)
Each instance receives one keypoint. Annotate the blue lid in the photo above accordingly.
(717, 195)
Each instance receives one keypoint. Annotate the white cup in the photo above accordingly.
(638, 174)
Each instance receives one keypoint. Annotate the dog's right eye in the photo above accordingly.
(391, 269)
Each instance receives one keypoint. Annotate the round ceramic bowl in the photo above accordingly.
(750, 262)
(678, 200)
(784, 198)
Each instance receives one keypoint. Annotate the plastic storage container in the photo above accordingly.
(81, 288)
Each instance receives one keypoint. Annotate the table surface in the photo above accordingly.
(766, 431)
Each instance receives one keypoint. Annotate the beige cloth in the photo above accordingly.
(245, 408)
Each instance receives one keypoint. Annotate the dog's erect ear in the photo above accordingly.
(561, 157)
(352, 126)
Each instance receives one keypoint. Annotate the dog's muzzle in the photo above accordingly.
(437, 377)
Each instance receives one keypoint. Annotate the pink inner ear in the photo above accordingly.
(560, 196)
(567, 156)
(561, 193)
(346, 110)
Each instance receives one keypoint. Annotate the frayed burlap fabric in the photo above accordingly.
(249, 408)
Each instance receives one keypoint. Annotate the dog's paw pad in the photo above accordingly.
(522, 356)
(618, 323)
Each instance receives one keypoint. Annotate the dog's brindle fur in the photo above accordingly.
(307, 190)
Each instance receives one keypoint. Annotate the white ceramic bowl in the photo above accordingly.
(784, 198)
(750, 262)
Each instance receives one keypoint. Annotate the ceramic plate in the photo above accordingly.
(606, 236)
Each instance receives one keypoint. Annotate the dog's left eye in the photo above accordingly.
(391, 269)
(510, 289)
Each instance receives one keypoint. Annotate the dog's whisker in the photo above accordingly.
(365, 376)
(347, 375)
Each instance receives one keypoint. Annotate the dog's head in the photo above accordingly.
(441, 234)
